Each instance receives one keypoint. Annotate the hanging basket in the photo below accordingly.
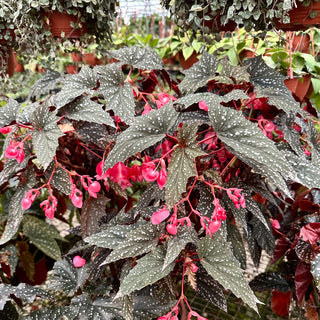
(302, 18)
(300, 87)
(60, 23)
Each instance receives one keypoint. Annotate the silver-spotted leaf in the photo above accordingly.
(58, 312)
(139, 57)
(231, 74)
(182, 165)
(118, 93)
(200, 73)
(178, 242)
(45, 134)
(315, 270)
(237, 245)
(75, 85)
(218, 260)
(139, 241)
(270, 281)
(9, 112)
(9, 256)
(145, 131)
(147, 271)
(84, 109)
(23, 291)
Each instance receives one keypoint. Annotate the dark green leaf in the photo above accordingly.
(313, 142)
(23, 291)
(147, 271)
(117, 93)
(182, 165)
(84, 109)
(92, 211)
(66, 277)
(60, 179)
(200, 73)
(270, 281)
(45, 134)
(231, 74)
(75, 85)
(144, 132)
(56, 313)
(9, 255)
(177, 243)
(237, 246)
(216, 257)
(138, 57)
(9, 112)
(137, 242)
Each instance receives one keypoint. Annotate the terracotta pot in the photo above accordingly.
(60, 22)
(76, 57)
(246, 53)
(300, 89)
(301, 43)
(72, 69)
(91, 59)
(186, 64)
(18, 67)
(7, 60)
(300, 18)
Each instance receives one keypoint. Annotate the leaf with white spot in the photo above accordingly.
(147, 271)
(232, 74)
(45, 84)
(200, 73)
(210, 289)
(84, 109)
(145, 131)
(182, 165)
(111, 237)
(117, 92)
(23, 291)
(60, 179)
(137, 242)
(75, 85)
(216, 257)
(269, 83)
(66, 277)
(178, 242)
(237, 245)
(249, 144)
(9, 256)
(270, 281)
(15, 209)
(138, 57)
(56, 313)
(315, 270)
(9, 112)
(312, 139)
(92, 211)
(45, 134)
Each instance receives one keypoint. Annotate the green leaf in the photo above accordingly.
(137, 242)
(315, 270)
(127, 307)
(145, 131)
(270, 281)
(111, 237)
(41, 238)
(147, 271)
(200, 73)
(216, 257)
(45, 84)
(269, 83)
(75, 85)
(66, 277)
(182, 165)
(9, 255)
(23, 291)
(210, 289)
(177, 243)
(237, 245)
(84, 109)
(45, 134)
(249, 144)
(138, 57)
(15, 209)
(9, 112)
(232, 74)
(117, 93)
(92, 211)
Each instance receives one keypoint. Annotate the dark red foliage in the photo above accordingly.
(303, 278)
(280, 302)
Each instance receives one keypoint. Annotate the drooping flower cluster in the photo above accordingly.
(29, 198)
(49, 206)
(15, 151)
(76, 196)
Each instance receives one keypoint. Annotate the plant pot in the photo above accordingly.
(246, 53)
(72, 69)
(186, 64)
(300, 18)
(300, 87)
(60, 22)
(301, 43)
(91, 59)
(18, 67)
(76, 57)
(7, 61)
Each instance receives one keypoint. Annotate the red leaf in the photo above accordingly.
(303, 278)
(280, 302)
(282, 246)
(311, 232)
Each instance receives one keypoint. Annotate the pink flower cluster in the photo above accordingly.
(29, 198)
(163, 98)
(49, 206)
(15, 151)
(76, 196)
(5, 130)
(236, 197)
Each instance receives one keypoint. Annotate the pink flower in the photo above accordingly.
(93, 188)
(148, 171)
(163, 98)
(15, 151)
(5, 130)
(275, 223)
(162, 178)
(135, 173)
(120, 174)
(78, 262)
(76, 196)
(203, 105)
(50, 206)
(160, 216)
